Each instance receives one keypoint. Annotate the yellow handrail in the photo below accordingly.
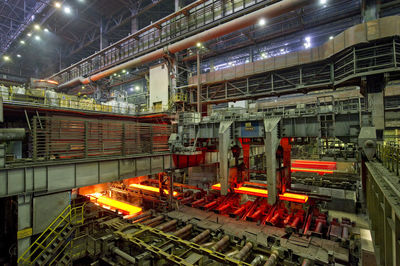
(67, 215)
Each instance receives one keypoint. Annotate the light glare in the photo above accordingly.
(262, 22)
(67, 10)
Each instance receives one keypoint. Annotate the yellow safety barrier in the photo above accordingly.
(69, 216)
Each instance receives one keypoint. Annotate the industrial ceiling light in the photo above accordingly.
(124, 71)
(330, 37)
(307, 43)
(37, 38)
(322, 2)
(46, 30)
(22, 42)
(137, 88)
(18, 55)
(57, 4)
(36, 27)
(67, 10)
(198, 44)
(262, 22)
(131, 89)
(6, 58)
(29, 34)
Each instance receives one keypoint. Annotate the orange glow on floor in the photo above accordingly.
(108, 203)
(294, 197)
(153, 189)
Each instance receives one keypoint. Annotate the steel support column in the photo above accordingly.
(271, 143)
(223, 148)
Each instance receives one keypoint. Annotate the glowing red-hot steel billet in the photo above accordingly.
(319, 165)
(319, 171)
(299, 198)
(252, 191)
(314, 166)
(115, 204)
(152, 189)
(216, 186)
(293, 197)
(314, 162)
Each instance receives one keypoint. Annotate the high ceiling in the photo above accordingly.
(73, 31)
(90, 25)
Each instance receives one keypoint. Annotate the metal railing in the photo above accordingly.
(65, 101)
(74, 249)
(389, 155)
(354, 62)
(188, 21)
(69, 216)
(55, 138)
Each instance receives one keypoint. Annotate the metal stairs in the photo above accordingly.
(54, 240)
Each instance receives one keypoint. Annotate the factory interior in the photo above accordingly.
(200, 132)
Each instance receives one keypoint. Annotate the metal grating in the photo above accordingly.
(56, 138)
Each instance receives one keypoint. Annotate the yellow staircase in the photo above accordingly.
(54, 239)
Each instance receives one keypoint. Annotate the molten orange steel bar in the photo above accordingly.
(108, 202)
(216, 186)
(293, 197)
(153, 189)
(252, 191)
(299, 198)
(315, 162)
(320, 171)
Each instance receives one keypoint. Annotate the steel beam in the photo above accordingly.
(223, 148)
(271, 142)
(55, 176)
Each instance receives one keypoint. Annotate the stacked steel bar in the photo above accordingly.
(71, 138)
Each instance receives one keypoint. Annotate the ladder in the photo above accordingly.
(54, 239)
(326, 122)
